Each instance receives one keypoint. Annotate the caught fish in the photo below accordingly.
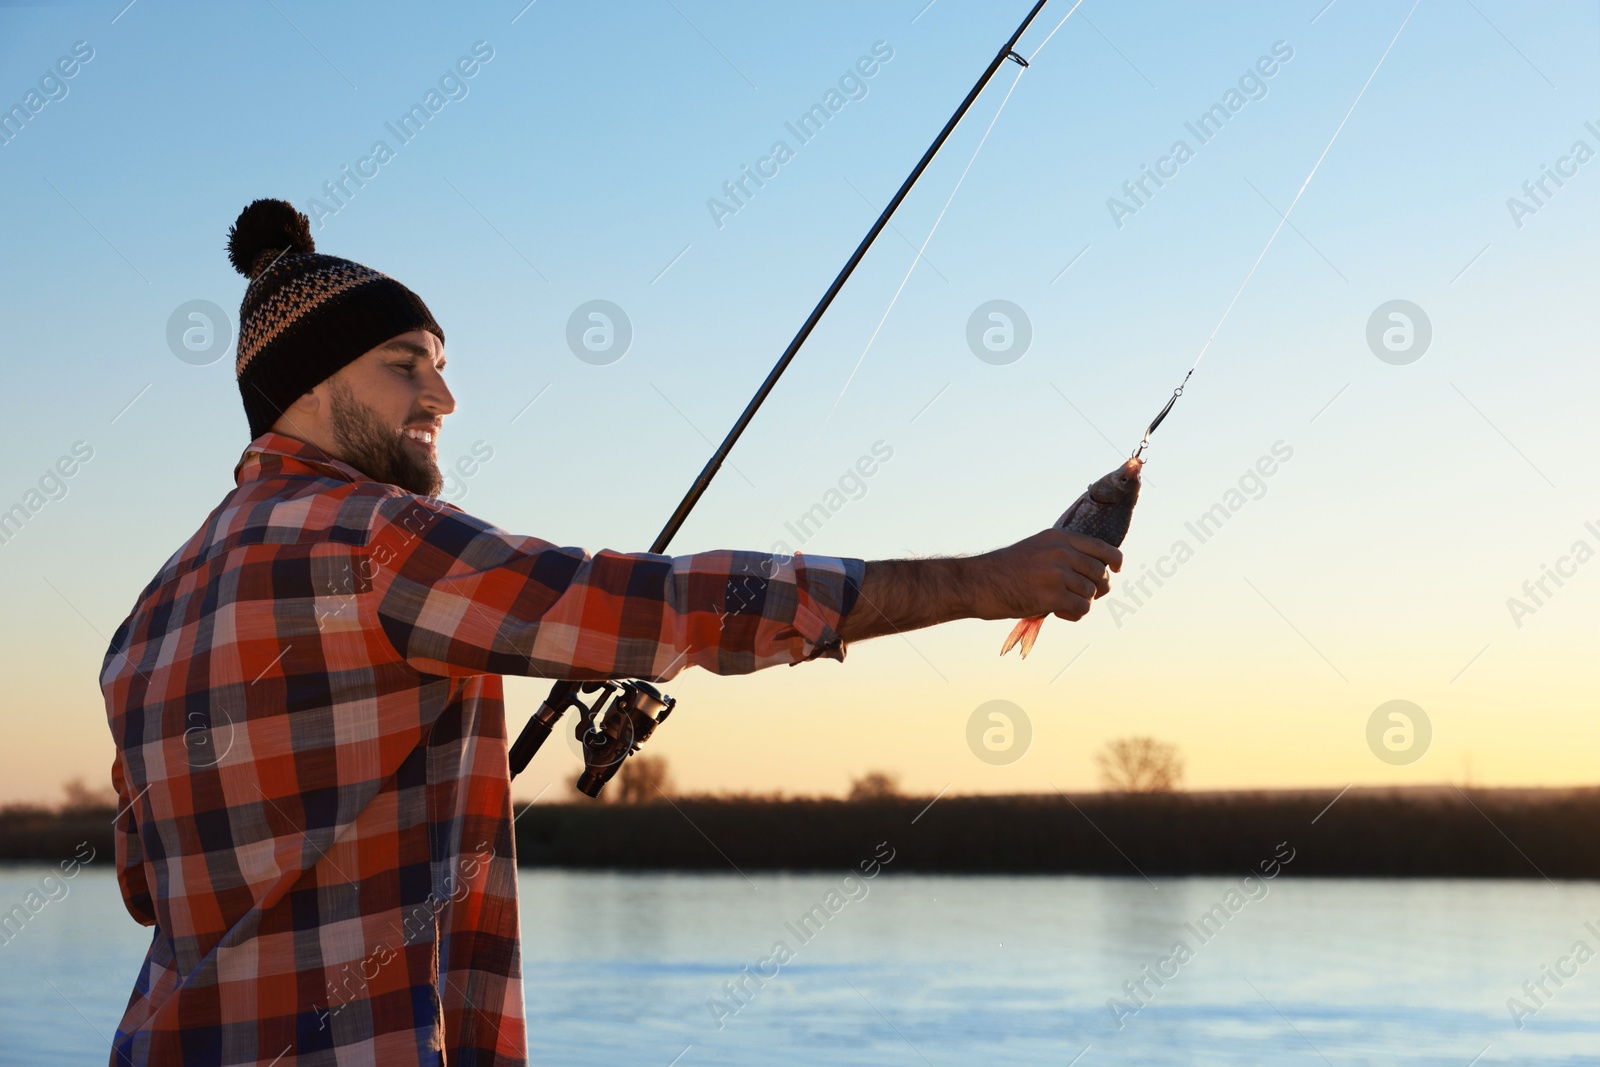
(1104, 510)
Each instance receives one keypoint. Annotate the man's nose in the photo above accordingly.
(436, 395)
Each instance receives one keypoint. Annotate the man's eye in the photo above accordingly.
(406, 368)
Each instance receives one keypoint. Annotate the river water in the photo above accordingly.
(923, 970)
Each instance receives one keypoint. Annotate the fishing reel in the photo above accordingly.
(607, 734)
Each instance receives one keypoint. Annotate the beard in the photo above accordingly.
(376, 450)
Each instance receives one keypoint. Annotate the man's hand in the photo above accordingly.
(1050, 573)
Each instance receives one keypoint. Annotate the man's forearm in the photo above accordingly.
(908, 594)
(1050, 573)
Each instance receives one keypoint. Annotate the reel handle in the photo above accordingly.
(563, 695)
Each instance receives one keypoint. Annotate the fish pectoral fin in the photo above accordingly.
(1026, 632)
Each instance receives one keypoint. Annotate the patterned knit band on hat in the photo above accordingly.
(305, 315)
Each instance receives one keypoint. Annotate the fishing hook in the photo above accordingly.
(1138, 453)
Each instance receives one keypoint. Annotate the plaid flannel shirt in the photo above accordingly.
(311, 754)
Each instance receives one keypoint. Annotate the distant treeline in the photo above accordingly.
(29, 832)
(1441, 832)
(1378, 833)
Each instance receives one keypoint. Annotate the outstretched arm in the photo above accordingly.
(1050, 573)
(454, 595)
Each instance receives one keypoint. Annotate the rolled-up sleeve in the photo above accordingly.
(455, 595)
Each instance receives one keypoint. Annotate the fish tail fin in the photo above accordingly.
(1026, 632)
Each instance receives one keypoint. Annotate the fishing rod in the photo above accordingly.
(610, 736)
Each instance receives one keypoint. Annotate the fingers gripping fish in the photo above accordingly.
(1104, 510)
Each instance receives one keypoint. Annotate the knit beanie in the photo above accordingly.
(305, 315)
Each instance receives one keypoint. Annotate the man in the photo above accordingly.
(306, 701)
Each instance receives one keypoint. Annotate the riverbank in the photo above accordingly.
(1439, 832)
(1411, 833)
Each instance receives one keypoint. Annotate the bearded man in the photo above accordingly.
(307, 702)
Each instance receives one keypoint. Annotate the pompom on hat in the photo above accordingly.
(304, 314)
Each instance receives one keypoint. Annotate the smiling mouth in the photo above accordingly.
(425, 439)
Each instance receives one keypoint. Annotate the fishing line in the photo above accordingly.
(816, 435)
(917, 258)
(1283, 221)
(1052, 33)
(1021, 68)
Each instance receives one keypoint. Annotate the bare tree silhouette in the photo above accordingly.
(643, 779)
(82, 797)
(1140, 765)
(875, 785)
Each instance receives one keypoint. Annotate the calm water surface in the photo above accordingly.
(626, 969)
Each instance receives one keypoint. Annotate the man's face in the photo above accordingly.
(382, 413)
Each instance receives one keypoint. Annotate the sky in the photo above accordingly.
(1427, 458)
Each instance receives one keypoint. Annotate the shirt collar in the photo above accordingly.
(275, 453)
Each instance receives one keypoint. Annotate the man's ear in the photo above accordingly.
(303, 418)
(309, 404)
